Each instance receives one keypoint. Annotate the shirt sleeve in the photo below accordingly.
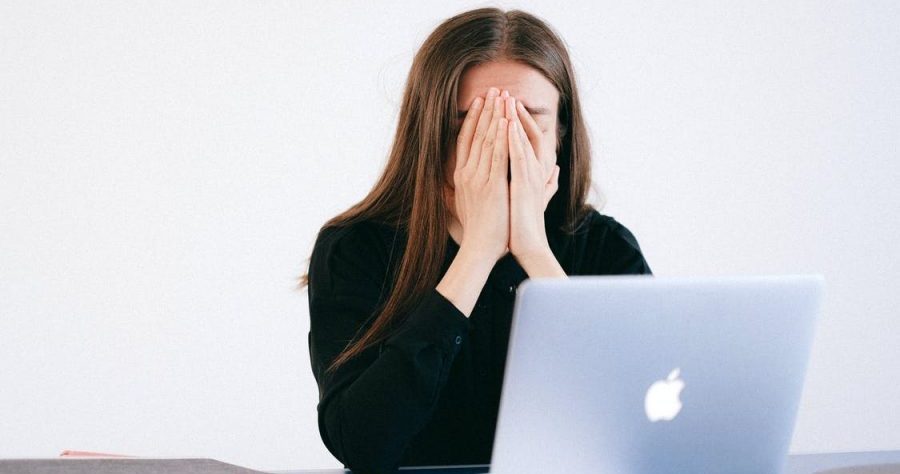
(619, 253)
(372, 406)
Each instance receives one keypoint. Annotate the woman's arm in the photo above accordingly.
(465, 278)
(372, 406)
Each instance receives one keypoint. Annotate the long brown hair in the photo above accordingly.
(409, 194)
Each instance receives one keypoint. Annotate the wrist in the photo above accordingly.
(534, 255)
(540, 264)
(476, 259)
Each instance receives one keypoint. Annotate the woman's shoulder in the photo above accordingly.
(606, 226)
(609, 246)
(362, 246)
(363, 235)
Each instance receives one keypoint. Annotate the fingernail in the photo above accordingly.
(493, 91)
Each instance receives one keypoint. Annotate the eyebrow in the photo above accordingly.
(531, 110)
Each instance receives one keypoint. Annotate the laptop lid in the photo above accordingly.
(648, 374)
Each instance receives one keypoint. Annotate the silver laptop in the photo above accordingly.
(639, 374)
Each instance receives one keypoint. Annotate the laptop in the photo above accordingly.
(640, 374)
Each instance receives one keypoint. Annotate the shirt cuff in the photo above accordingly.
(434, 321)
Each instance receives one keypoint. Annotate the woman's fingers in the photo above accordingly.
(466, 130)
(530, 151)
(532, 129)
(487, 147)
(499, 165)
(500, 155)
(553, 183)
(481, 129)
(531, 133)
(516, 148)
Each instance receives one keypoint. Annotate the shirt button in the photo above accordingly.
(458, 339)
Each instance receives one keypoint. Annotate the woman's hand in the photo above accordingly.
(481, 194)
(534, 180)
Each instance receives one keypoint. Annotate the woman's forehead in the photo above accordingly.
(523, 82)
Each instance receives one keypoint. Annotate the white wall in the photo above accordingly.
(164, 167)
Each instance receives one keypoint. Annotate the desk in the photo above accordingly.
(796, 464)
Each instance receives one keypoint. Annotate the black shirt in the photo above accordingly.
(429, 394)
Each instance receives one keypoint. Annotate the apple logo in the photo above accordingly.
(661, 401)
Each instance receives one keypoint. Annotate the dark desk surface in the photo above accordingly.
(889, 462)
(796, 464)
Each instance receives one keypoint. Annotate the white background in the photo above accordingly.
(164, 167)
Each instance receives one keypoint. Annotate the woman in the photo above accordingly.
(411, 290)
